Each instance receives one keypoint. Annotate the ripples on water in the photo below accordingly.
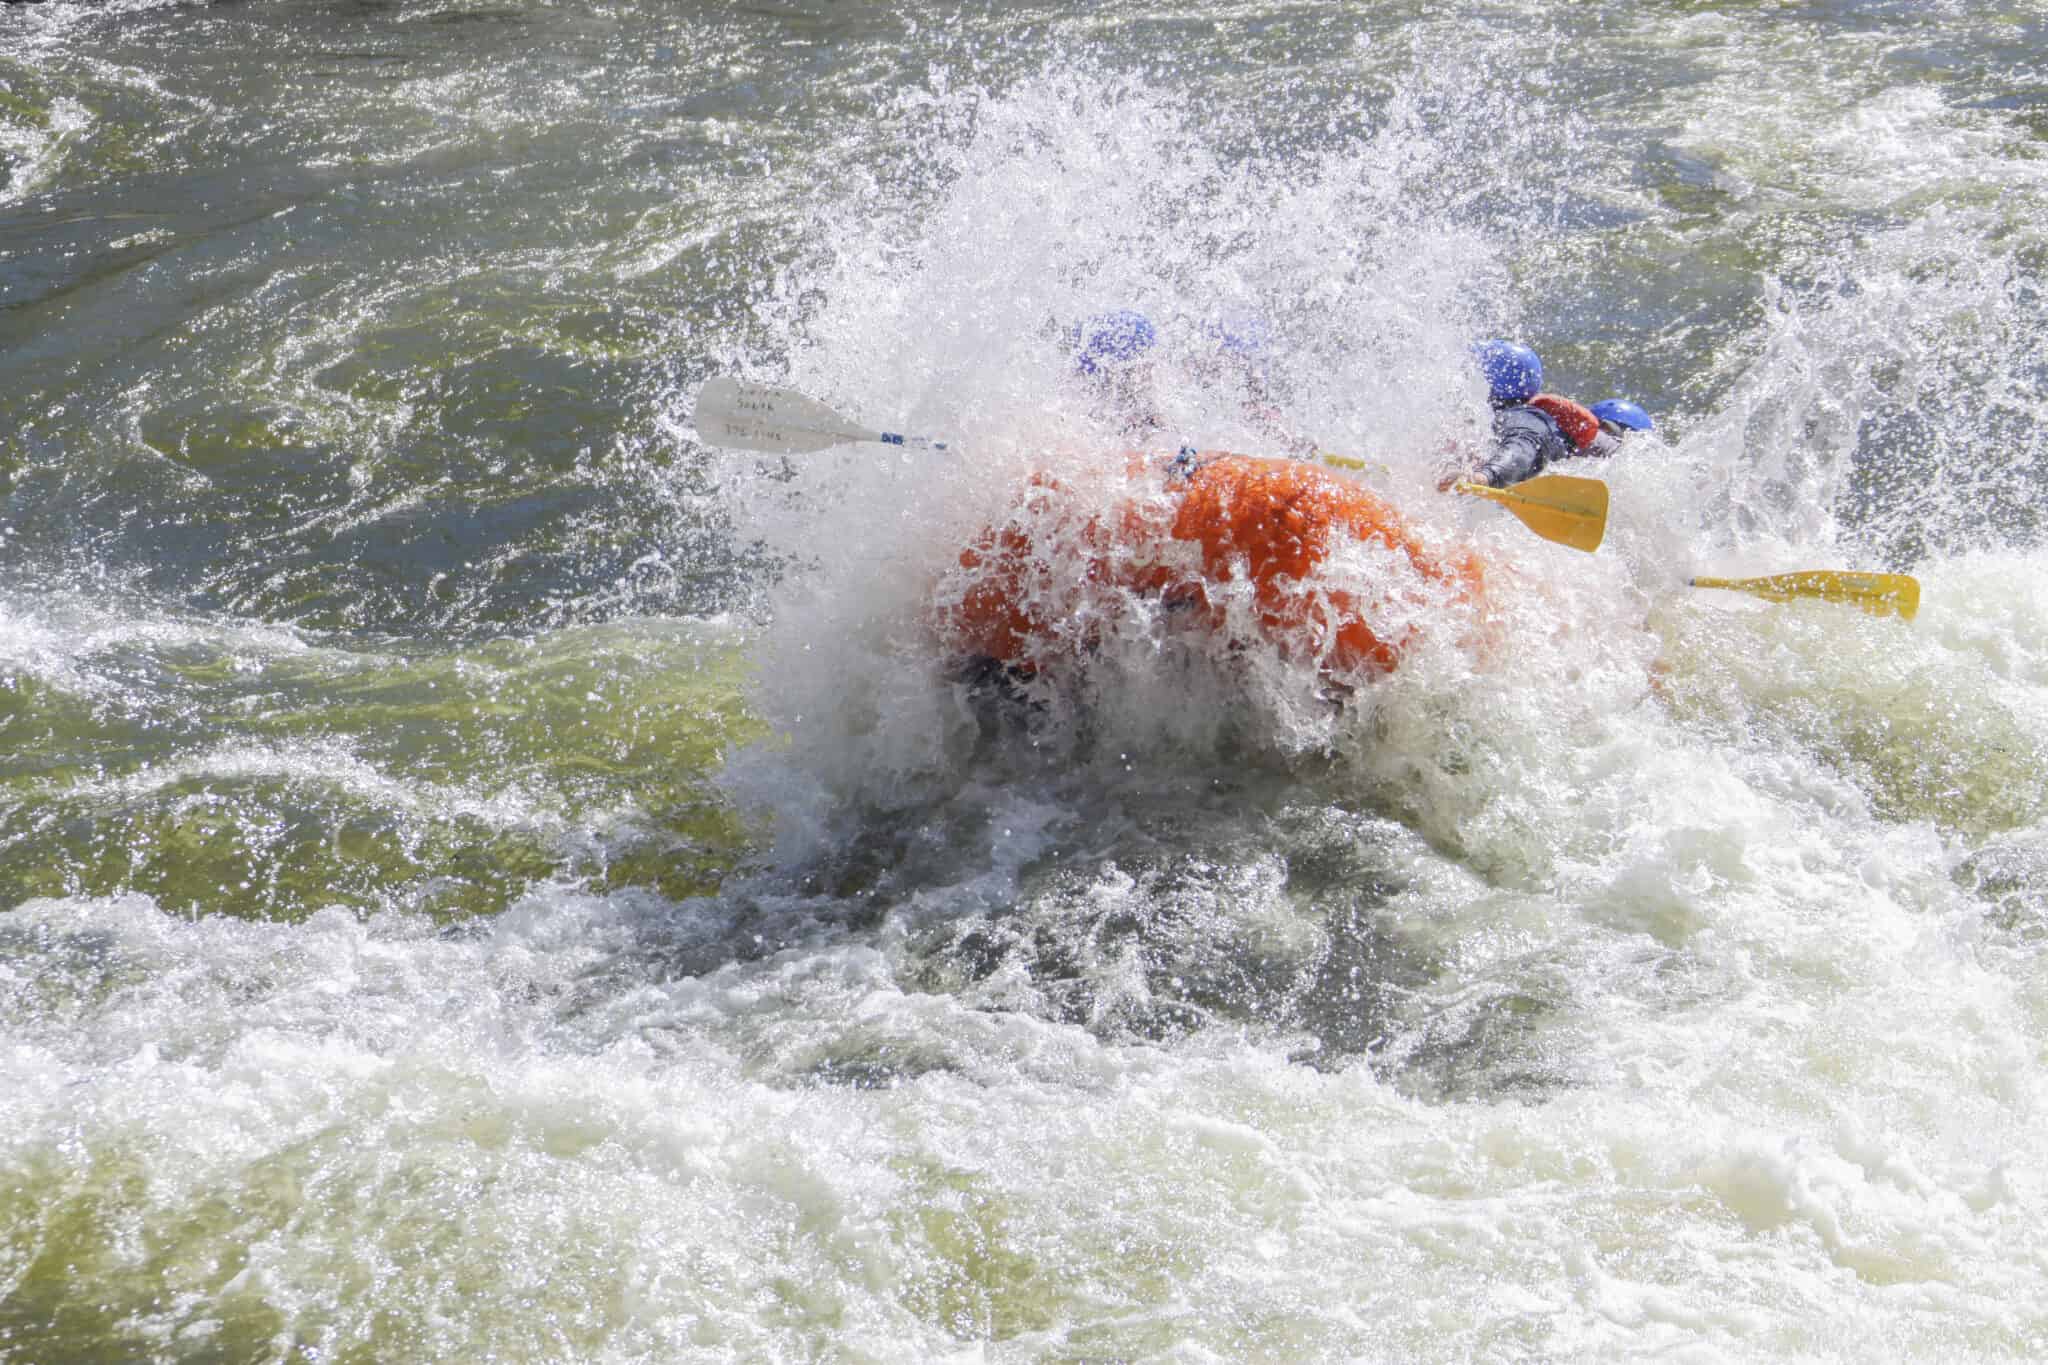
(483, 874)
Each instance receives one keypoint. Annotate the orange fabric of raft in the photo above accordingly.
(998, 614)
(1272, 520)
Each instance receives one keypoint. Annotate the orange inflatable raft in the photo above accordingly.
(1194, 534)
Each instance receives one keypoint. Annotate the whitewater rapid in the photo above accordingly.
(485, 873)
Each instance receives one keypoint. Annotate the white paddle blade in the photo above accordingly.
(731, 412)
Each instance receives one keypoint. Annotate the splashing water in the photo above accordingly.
(487, 875)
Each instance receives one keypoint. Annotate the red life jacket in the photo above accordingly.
(1578, 423)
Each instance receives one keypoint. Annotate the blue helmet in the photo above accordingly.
(1111, 339)
(1513, 373)
(1247, 339)
(1623, 413)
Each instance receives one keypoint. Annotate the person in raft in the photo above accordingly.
(1533, 430)
(1595, 432)
(1617, 417)
(1114, 362)
(1115, 358)
(1527, 435)
(1240, 360)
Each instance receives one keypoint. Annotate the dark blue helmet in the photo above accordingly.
(1623, 413)
(1513, 373)
(1247, 339)
(1111, 339)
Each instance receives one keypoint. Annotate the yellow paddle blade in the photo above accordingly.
(1559, 507)
(1880, 594)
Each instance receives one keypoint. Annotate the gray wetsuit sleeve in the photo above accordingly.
(1524, 440)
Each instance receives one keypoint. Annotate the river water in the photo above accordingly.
(484, 875)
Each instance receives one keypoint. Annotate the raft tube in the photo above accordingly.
(1180, 532)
